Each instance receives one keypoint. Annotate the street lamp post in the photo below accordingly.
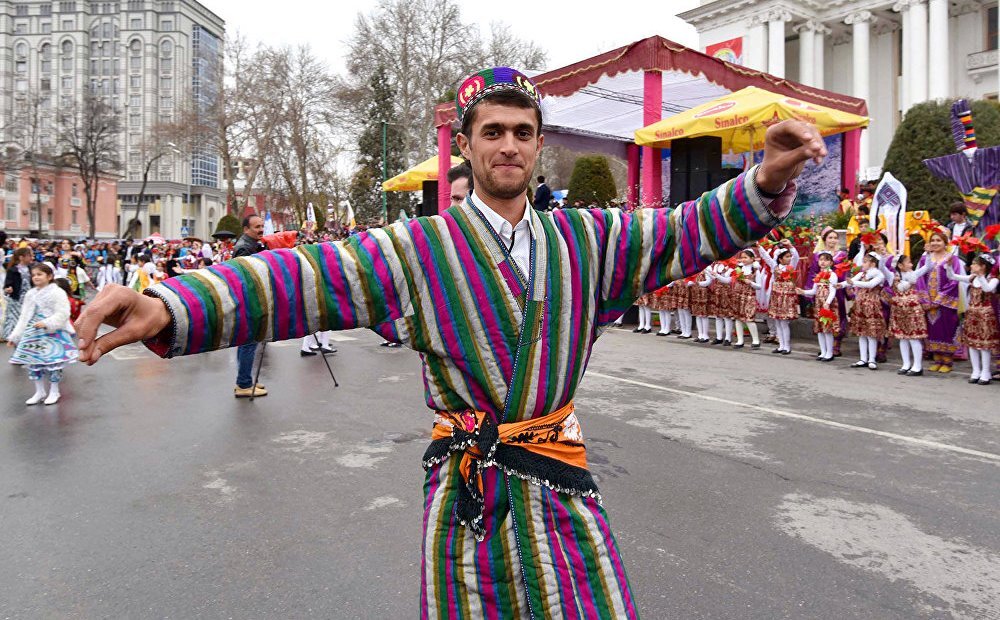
(385, 172)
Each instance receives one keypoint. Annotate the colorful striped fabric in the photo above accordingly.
(448, 289)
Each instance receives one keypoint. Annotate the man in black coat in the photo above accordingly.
(248, 244)
(543, 195)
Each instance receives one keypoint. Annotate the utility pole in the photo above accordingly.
(385, 172)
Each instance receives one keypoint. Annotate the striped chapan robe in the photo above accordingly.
(446, 286)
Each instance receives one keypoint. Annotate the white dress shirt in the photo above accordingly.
(517, 238)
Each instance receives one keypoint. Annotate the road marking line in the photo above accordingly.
(798, 416)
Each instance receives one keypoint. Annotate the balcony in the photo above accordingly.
(981, 64)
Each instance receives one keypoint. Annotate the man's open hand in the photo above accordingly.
(136, 317)
(788, 145)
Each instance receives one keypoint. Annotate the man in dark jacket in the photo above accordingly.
(248, 244)
(543, 195)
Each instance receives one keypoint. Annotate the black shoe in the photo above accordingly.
(755, 345)
(974, 380)
(902, 371)
(683, 337)
(776, 351)
(716, 341)
(662, 333)
(675, 331)
(307, 353)
(312, 348)
(327, 350)
(915, 373)
(737, 346)
(984, 382)
(786, 352)
(859, 364)
(727, 343)
(646, 331)
(819, 358)
(636, 330)
(703, 340)
(827, 359)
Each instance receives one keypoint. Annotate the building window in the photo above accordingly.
(134, 120)
(45, 9)
(167, 25)
(46, 27)
(67, 82)
(21, 28)
(74, 191)
(45, 53)
(135, 101)
(67, 7)
(166, 65)
(10, 184)
(135, 5)
(106, 66)
(11, 208)
(991, 28)
(46, 85)
(166, 102)
(49, 217)
(21, 67)
(135, 81)
(21, 86)
(21, 50)
(166, 84)
(74, 217)
(22, 10)
(135, 23)
(67, 24)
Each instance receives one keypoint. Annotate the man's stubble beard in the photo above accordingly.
(507, 192)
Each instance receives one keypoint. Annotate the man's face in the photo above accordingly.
(958, 218)
(502, 149)
(459, 190)
(254, 228)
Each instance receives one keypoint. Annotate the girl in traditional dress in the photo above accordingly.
(939, 296)
(44, 335)
(720, 303)
(678, 296)
(980, 331)
(743, 281)
(17, 283)
(829, 242)
(867, 321)
(698, 295)
(658, 301)
(826, 318)
(907, 322)
(784, 304)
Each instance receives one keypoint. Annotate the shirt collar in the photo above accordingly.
(497, 221)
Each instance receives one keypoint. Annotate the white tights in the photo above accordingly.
(684, 318)
(645, 318)
(869, 348)
(982, 364)
(913, 354)
(825, 345)
(312, 341)
(784, 334)
(702, 322)
(666, 318)
(754, 335)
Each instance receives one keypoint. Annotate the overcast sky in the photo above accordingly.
(567, 31)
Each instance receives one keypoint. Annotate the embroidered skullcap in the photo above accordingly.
(480, 85)
(987, 257)
(873, 256)
(826, 231)
(826, 252)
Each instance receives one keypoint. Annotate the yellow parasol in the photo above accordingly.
(412, 180)
(742, 118)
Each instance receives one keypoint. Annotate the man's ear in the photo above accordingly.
(463, 146)
(541, 142)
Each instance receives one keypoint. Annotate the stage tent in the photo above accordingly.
(597, 105)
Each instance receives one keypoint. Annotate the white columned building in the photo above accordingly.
(894, 53)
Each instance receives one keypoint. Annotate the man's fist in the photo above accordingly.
(788, 145)
(136, 317)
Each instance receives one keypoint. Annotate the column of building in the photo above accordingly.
(776, 41)
(811, 57)
(860, 23)
(925, 31)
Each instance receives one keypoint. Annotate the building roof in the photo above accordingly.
(597, 103)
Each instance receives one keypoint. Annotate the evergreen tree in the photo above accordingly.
(365, 191)
(592, 181)
(925, 133)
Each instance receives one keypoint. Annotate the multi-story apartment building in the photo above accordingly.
(150, 59)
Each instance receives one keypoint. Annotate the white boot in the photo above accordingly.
(39, 393)
(53, 397)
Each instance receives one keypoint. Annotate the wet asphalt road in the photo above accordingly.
(149, 492)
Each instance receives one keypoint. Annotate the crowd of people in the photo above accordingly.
(942, 308)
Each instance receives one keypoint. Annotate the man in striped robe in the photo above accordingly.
(503, 303)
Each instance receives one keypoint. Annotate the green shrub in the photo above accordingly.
(926, 133)
(591, 181)
(231, 223)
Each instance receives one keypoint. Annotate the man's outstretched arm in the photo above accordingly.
(273, 295)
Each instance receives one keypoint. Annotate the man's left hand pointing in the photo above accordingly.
(788, 145)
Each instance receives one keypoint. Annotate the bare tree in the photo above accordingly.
(88, 137)
(26, 147)
(164, 140)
